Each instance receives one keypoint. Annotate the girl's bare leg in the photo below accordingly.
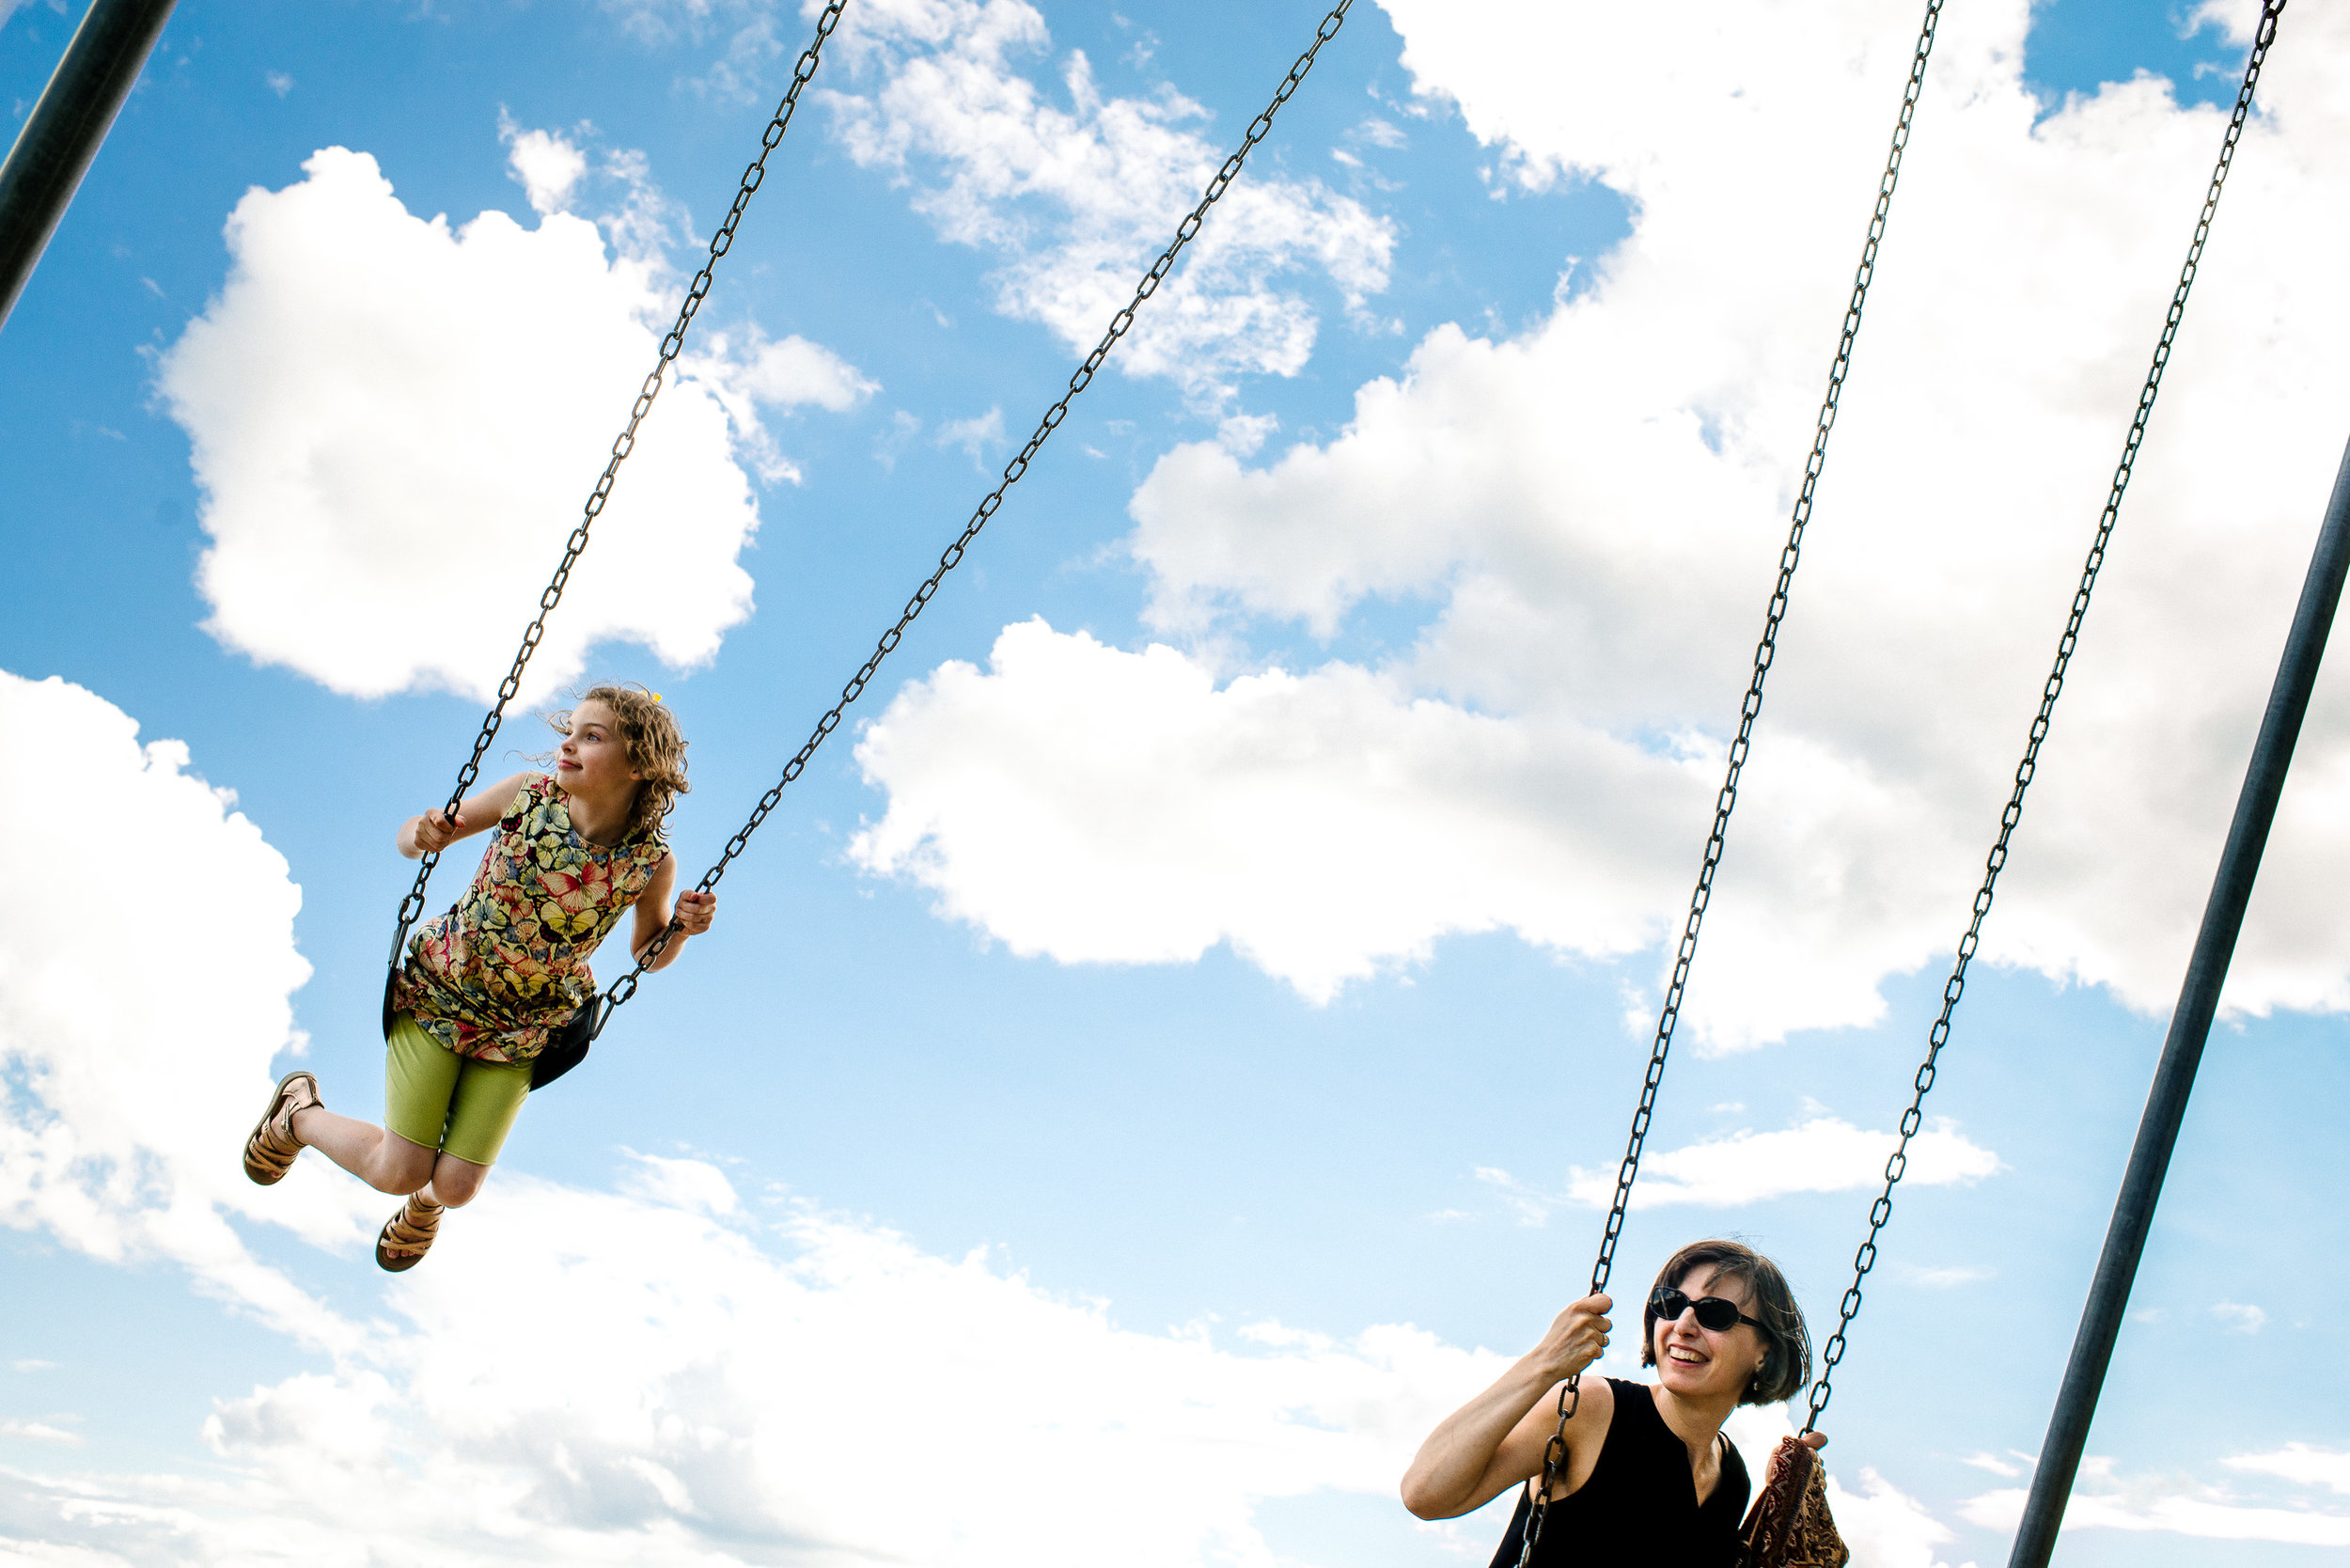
(384, 1160)
(454, 1181)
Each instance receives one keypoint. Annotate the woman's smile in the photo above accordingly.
(1683, 1365)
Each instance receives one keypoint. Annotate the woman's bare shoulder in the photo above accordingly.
(1595, 1407)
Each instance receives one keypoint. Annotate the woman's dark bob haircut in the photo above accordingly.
(1787, 1358)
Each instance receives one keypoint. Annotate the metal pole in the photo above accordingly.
(61, 136)
(2199, 999)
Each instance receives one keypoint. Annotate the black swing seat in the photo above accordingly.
(566, 1049)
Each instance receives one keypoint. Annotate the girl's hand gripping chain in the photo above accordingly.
(433, 832)
(695, 911)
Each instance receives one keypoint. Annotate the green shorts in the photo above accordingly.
(436, 1098)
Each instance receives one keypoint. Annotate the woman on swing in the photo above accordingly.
(486, 985)
(1647, 1476)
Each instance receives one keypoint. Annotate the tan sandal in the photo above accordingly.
(407, 1236)
(269, 1153)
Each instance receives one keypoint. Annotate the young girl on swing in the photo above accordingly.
(486, 985)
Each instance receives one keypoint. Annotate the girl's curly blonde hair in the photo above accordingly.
(656, 751)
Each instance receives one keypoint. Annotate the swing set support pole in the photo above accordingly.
(61, 135)
(2190, 1025)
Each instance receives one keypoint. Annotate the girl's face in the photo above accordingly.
(593, 760)
(1705, 1363)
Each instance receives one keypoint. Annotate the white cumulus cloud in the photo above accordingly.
(1823, 1154)
(1883, 1525)
(1079, 198)
(121, 1108)
(1945, 1276)
(1278, 812)
(2298, 1462)
(395, 423)
(754, 1383)
(2104, 1500)
(547, 164)
(722, 1388)
(791, 371)
(975, 435)
(2241, 1317)
(40, 1432)
(1590, 513)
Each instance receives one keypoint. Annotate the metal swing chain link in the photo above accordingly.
(1570, 1396)
(1912, 1119)
(625, 987)
(720, 242)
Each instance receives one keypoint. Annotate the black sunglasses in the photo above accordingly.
(1713, 1311)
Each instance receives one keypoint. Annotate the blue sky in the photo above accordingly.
(1161, 1052)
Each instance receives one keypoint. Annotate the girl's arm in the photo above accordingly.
(695, 911)
(435, 829)
(1496, 1439)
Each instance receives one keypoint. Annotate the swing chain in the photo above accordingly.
(1259, 128)
(1570, 1393)
(1897, 1165)
(671, 344)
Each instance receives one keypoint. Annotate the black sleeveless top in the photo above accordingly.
(1640, 1506)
